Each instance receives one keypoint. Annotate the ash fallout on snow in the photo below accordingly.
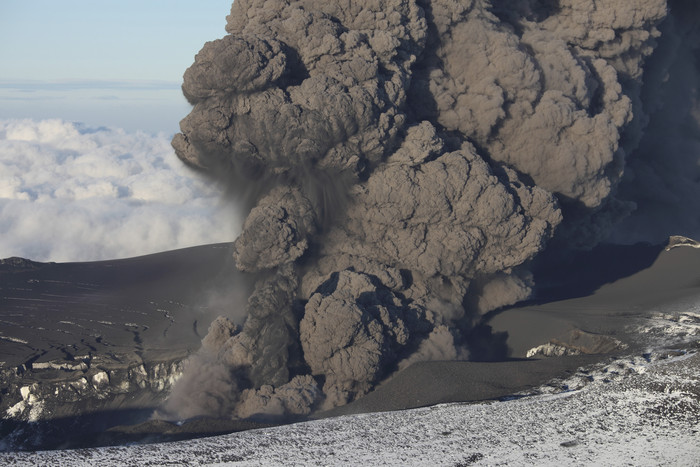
(402, 162)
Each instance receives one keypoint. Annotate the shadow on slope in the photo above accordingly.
(564, 275)
(110, 428)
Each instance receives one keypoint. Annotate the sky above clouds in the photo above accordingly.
(89, 100)
(117, 63)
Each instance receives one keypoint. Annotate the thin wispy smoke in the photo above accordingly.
(403, 162)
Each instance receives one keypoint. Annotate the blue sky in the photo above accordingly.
(109, 62)
(89, 99)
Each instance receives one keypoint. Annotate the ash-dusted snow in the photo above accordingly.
(635, 410)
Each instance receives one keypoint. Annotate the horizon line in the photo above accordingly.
(32, 85)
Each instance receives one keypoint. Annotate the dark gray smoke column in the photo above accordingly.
(403, 161)
(662, 176)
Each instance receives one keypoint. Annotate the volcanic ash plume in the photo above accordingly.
(402, 162)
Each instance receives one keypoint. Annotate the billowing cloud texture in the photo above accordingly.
(71, 193)
(405, 161)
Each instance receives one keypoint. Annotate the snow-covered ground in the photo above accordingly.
(636, 410)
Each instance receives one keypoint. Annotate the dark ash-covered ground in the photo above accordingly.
(638, 406)
(592, 320)
(103, 341)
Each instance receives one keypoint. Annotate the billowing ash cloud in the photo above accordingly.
(69, 193)
(402, 162)
(662, 176)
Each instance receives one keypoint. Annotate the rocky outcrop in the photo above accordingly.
(87, 345)
(61, 389)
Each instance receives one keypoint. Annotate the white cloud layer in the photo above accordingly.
(71, 193)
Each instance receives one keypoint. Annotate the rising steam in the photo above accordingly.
(403, 161)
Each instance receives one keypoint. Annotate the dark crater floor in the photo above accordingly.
(148, 305)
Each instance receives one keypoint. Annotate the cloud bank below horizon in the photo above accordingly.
(74, 193)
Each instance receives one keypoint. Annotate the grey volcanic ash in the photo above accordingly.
(403, 162)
